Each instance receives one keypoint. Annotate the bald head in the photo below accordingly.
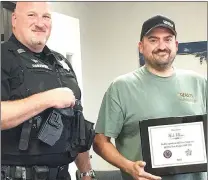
(31, 24)
(22, 6)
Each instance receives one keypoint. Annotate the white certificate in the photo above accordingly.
(177, 144)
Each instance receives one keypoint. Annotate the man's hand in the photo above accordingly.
(138, 173)
(61, 97)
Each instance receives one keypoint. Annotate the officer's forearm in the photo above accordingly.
(16, 112)
(83, 162)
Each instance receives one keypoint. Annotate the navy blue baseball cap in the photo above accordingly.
(157, 21)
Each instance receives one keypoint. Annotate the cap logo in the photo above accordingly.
(168, 23)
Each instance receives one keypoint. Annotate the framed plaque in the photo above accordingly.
(174, 145)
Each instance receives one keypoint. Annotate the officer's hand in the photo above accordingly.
(138, 173)
(61, 97)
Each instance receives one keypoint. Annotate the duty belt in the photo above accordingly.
(33, 173)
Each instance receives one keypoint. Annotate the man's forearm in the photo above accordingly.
(83, 162)
(109, 153)
(16, 112)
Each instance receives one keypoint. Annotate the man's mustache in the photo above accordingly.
(162, 51)
(39, 29)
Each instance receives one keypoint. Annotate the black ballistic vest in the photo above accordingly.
(35, 76)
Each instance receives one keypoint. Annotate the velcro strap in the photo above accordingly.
(63, 172)
(53, 173)
(25, 135)
(40, 172)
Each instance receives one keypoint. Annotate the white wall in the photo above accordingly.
(67, 40)
(109, 33)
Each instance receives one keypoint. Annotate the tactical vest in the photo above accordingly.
(34, 76)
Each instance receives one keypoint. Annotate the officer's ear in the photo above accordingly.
(14, 19)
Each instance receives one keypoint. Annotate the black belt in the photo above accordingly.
(34, 172)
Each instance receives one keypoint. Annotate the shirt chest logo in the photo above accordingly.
(38, 64)
(187, 97)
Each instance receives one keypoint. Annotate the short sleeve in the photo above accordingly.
(5, 88)
(110, 118)
(6, 66)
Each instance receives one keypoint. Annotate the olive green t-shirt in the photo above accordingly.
(141, 95)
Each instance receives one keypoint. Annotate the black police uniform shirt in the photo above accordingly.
(24, 73)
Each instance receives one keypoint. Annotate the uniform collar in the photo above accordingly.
(45, 51)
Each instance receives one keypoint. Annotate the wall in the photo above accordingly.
(1, 20)
(67, 40)
(5, 24)
(109, 33)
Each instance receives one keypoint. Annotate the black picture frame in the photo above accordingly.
(145, 144)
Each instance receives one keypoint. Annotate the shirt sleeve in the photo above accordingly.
(6, 59)
(111, 117)
(5, 88)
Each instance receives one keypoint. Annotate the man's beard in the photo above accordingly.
(38, 41)
(160, 64)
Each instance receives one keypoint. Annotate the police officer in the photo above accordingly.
(34, 82)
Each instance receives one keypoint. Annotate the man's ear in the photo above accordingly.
(176, 46)
(140, 47)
